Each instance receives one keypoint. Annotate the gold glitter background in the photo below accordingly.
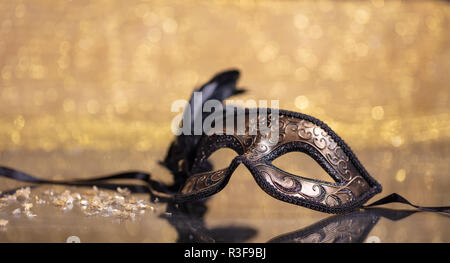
(86, 89)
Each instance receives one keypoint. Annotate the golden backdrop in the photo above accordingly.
(86, 89)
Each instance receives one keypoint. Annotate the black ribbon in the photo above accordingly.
(165, 192)
(156, 189)
(396, 198)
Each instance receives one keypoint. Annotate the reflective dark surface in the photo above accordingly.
(38, 221)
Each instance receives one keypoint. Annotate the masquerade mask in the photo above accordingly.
(258, 145)
(296, 132)
(276, 133)
(265, 135)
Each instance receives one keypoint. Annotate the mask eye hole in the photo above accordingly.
(298, 163)
(221, 158)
